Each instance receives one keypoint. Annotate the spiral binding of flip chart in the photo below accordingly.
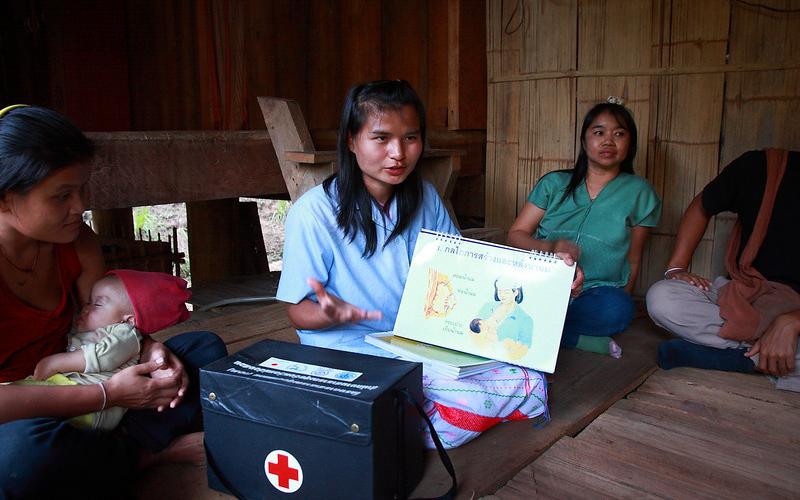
(548, 257)
(454, 239)
(457, 240)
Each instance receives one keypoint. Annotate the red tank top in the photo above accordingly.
(28, 334)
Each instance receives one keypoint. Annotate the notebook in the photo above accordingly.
(437, 360)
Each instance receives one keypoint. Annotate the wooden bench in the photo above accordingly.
(304, 167)
(151, 168)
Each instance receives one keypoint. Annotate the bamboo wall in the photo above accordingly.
(706, 81)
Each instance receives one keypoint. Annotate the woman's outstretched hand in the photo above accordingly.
(338, 311)
(134, 388)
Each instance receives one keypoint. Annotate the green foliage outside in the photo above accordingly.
(142, 220)
(281, 210)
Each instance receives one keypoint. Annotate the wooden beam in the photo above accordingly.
(311, 157)
(150, 168)
(665, 71)
(322, 157)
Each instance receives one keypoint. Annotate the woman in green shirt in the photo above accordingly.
(601, 213)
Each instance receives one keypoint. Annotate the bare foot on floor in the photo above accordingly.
(187, 449)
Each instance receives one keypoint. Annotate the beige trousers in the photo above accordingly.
(693, 315)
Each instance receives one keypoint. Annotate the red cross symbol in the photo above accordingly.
(283, 471)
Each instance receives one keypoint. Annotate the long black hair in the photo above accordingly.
(355, 202)
(34, 142)
(625, 120)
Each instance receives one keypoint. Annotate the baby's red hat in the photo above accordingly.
(158, 299)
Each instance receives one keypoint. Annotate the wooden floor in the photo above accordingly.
(681, 433)
(239, 330)
(585, 385)
(685, 433)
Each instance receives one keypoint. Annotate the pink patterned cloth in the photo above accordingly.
(461, 409)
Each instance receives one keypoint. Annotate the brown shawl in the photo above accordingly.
(749, 302)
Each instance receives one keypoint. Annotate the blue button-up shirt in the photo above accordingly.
(315, 247)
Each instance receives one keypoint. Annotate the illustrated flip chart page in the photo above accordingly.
(486, 299)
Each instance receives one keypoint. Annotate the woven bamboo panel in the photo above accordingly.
(544, 143)
(548, 36)
(761, 107)
(611, 41)
(706, 81)
(688, 120)
(503, 49)
(530, 122)
(690, 106)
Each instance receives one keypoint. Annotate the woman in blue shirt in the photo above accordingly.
(350, 240)
(348, 249)
(601, 212)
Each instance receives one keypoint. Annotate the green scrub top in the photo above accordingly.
(601, 227)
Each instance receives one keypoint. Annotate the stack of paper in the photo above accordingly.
(438, 360)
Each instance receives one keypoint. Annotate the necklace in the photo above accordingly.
(27, 271)
(589, 190)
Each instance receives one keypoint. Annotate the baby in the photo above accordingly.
(486, 337)
(485, 331)
(124, 305)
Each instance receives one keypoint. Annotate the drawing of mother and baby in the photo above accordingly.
(502, 322)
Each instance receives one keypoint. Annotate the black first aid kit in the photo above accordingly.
(287, 420)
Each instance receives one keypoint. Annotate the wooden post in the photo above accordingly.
(225, 240)
(466, 28)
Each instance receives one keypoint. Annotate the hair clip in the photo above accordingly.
(5, 111)
(619, 101)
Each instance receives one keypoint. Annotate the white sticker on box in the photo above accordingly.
(307, 369)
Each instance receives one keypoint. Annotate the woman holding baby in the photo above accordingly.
(49, 261)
